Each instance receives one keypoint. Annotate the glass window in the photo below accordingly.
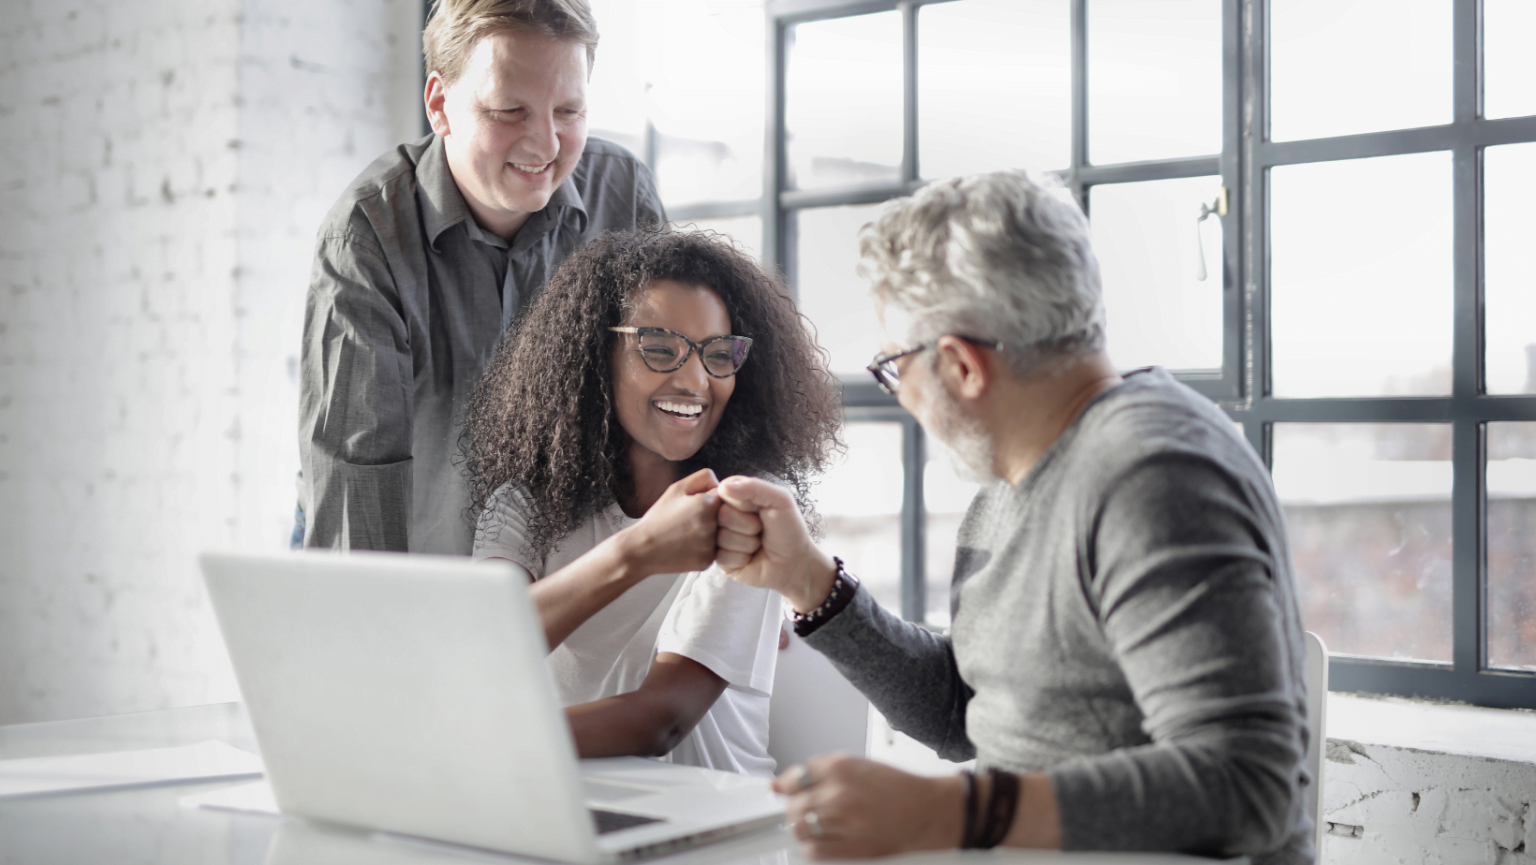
(1512, 545)
(831, 294)
(1509, 298)
(945, 499)
(860, 505)
(1368, 510)
(994, 86)
(706, 99)
(1339, 67)
(1154, 79)
(1509, 82)
(1161, 266)
(616, 103)
(1360, 281)
(745, 231)
(843, 102)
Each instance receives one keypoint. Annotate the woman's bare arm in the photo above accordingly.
(677, 534)
(652, 720)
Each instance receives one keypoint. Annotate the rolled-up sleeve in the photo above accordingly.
(1188, 603)
(355, 401)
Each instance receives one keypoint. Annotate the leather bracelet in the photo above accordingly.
(844, 585)
(1002, 804)
(968, 784)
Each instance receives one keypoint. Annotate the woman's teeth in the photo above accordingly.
(531, 169)
(681, 409)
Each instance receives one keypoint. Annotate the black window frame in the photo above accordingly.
(1242, 386)
(1468, 409)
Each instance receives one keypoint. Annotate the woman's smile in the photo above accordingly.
(671, 414)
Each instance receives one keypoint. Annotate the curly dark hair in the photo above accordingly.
(542, 419)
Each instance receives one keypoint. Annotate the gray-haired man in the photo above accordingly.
(1125, 661)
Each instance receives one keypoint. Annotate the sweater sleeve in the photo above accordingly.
(907, 671)
(1185, 593)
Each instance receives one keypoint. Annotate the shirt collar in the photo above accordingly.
(443, 204)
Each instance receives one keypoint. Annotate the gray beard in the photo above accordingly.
(961, 440)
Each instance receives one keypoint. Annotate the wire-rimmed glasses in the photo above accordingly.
(888, 375)
(666, 350)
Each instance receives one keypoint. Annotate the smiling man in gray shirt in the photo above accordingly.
(1125, 662)
(433, 251)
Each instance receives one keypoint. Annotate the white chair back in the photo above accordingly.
(813, 709)
(1315, 675)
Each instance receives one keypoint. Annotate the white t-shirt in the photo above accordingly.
(703, 615)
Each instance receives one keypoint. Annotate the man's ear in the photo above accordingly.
(435, 96)
(966, 368)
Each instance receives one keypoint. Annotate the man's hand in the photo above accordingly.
(844, 807)
(762, 541)
(677, 534)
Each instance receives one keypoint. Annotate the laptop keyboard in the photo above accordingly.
(613, 821)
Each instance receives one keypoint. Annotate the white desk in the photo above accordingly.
(147, 825)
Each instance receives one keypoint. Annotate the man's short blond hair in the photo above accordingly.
(455, 27)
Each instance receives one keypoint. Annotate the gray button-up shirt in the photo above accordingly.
(406, 303)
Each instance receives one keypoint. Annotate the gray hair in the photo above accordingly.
(995, 256)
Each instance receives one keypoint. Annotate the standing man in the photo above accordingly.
(1126, 658)
(433, 251)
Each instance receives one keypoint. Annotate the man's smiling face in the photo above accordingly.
(513, 125)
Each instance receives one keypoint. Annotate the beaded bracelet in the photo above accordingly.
(844, 585)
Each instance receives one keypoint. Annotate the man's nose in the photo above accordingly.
(540, 138)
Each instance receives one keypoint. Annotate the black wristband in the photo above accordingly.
(844, 585)
(968, 831)
(1002, 804)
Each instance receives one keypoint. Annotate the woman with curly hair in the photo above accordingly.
(652, 364)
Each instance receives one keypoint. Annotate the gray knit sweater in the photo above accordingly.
(1125, 619)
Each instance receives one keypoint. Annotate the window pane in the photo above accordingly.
(1509, 85)
(994, 86)
(1368, 509)
(831, 294)
(860, 505)
(945, 499)
(706, 98)
(1509, 178)
(745, 231)
(1360, 279)
(1154, 79)
(1512, 545)
(1339, 67)
(1151, 248)
(843, 101)
(616, 103)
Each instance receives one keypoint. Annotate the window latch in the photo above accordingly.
(1215, 208)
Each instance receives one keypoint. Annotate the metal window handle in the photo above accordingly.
(1216, 208)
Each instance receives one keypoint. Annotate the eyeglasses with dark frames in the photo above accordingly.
(888, 376)
(666, 350)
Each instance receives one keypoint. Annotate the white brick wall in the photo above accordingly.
(163, 167)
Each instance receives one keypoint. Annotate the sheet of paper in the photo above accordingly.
(254, 798)
(35, 776)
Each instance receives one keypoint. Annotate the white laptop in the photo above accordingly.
(409, 694)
